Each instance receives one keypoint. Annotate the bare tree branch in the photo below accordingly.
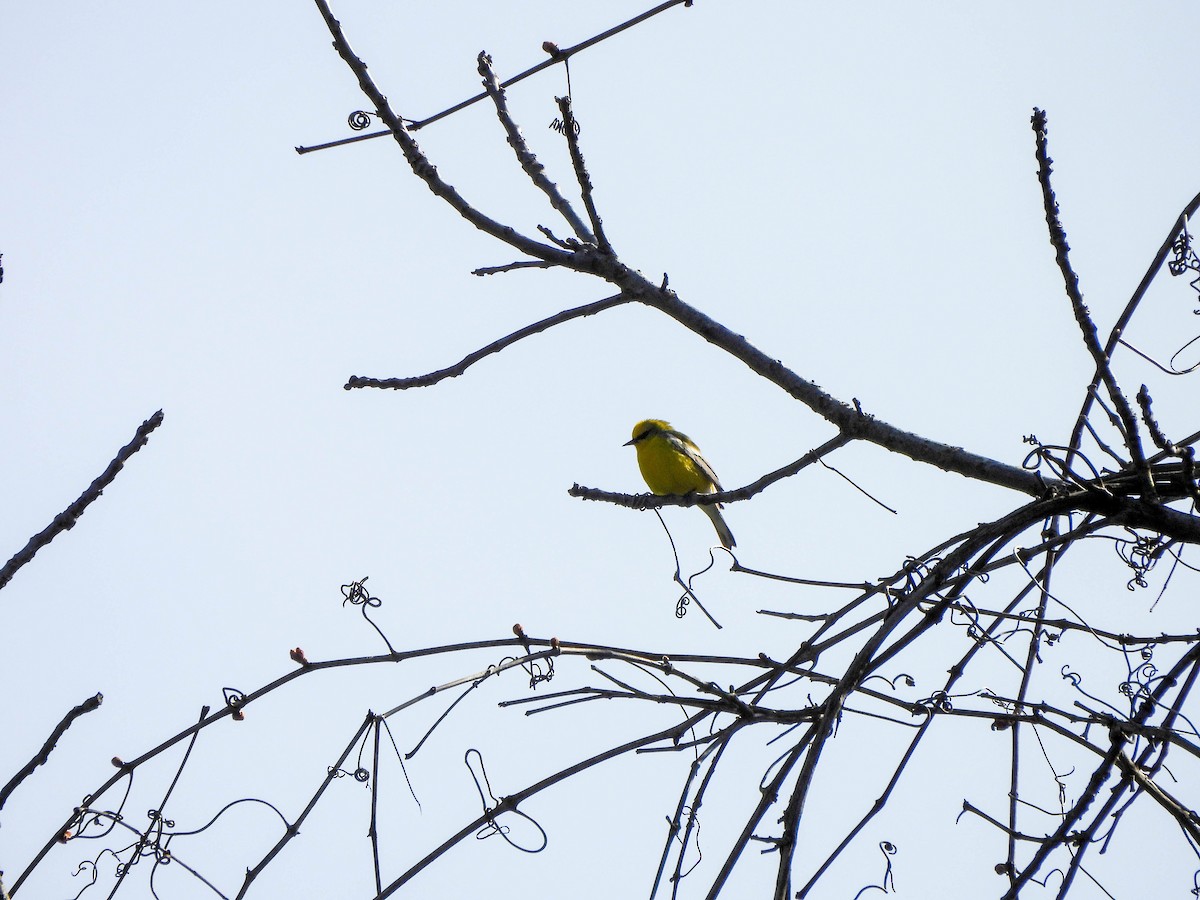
(66, 519)
(571, 131)
(526, 157)
(43, 755)
(562, 55)
(400, 384)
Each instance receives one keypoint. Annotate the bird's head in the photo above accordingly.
(647, 428)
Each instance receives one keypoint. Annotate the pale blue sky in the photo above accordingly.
(851, 188)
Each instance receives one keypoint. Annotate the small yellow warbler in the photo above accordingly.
(672, 464)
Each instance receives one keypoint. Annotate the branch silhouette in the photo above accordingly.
(980, 633)
(66, 519)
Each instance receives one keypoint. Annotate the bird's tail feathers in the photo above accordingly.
(714, 513)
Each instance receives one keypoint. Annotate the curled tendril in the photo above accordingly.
(693, 819)
(1045, 882)
(1074, 677)
(908, 680)
(538, 670)
(359, 120)
(356, 594)
(1185, 259)
(888, 883)
(1174, 360)
(560, 126)
(939, 701)
(963, 613)
(915, 570)
(91, 868)
(1006, 705)
(1146, 671)
(1140, 682)
(157, 818)
(1140, 554)
(484, 786)
(234, 698)
(1044, 454)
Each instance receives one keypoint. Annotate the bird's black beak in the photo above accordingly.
(629, 443)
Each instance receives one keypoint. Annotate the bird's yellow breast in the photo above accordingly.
(667, 470)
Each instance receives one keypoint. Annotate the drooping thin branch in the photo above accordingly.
(43, 755)
(66, 519)
(400, 384)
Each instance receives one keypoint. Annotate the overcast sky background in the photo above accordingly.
(851, 188)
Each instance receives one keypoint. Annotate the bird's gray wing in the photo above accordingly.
(684, 445)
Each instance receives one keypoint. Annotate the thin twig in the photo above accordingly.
(526, 157)
(420, 164)
(294, 828)
(1058, 238)
(561, 56)
(571, 131)
(1187, 818)
(400, 384)
(1099, 777)
(656, 501)
(513, 266)
(1118, 329)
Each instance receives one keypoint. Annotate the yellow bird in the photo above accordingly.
(672, 464)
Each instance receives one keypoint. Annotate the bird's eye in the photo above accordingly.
(645, 434)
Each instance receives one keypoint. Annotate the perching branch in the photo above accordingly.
(849, 420)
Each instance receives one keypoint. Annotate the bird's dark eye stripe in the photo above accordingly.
(645, 434)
